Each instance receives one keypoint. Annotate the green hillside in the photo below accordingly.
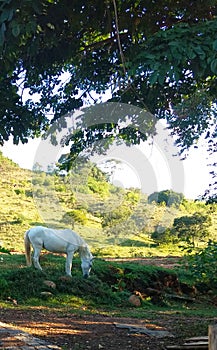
(17, 208)
(114, 221)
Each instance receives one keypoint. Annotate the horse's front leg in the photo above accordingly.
(35, 258)
(69, 257)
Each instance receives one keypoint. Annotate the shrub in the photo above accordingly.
(37, 181)
(75, 215)
(168, 197)
(203, 265)
(28, 193)
(19, 191)
(48, 182)
(4, 288)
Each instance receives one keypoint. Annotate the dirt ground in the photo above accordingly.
(100, 332)
(94, 332)
(90, 332)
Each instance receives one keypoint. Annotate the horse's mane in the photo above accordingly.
(85, 252)
(73, 238)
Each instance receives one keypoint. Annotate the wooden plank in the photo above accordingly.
(201, 338)
(198, 343)
(193, 343)
(188, 346)
(212, 333)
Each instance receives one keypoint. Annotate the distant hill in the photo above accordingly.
(112, 219)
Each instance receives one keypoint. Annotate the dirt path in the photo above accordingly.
(92, 332)
(169, 262)
(96, 332)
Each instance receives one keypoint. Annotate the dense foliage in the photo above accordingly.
(202, 265)
(189, 229)
(158, 55)
(168, 197)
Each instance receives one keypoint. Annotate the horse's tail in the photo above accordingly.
(27, 248)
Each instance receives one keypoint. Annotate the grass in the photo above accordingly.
(106, 291)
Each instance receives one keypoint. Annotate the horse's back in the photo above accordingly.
(69, 235)
(36, 234)
(55, 239)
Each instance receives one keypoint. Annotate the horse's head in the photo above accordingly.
(86, 267)
(86, 264)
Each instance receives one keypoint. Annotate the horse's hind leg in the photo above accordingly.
(35, 258)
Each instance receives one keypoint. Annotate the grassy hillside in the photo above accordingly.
(17, 208)
(114, 221)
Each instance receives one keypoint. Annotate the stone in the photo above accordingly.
(134, 300)
(50, 284)
(46, 294)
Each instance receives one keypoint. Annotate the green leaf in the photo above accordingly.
(213, 66)
(37, 8)
(2, 33)
(153, 78)
(6, 15)
(214, 45)
(15, 29)
(199, 52)
(190, 53)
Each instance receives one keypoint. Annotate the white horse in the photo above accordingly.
(57, 241)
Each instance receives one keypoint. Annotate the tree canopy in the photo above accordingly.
(158, 55)
(190, 227)
(168, 197)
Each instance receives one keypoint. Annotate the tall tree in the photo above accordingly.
(168, 197)
(158, 55)
(189, 228)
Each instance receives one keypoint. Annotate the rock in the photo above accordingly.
(14, 301)
(144, 330)
(134, 300)
(65, 278)
(46, 294)
(50, 284)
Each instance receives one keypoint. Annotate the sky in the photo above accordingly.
(149, 168)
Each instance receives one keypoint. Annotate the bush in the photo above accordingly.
(19, 191)
(203, 265)
(37, 181)
(48, 182)
(164, 236)
(28, 193)
(4, 288)
(168, 197)
(31, 281)
(75, 215)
